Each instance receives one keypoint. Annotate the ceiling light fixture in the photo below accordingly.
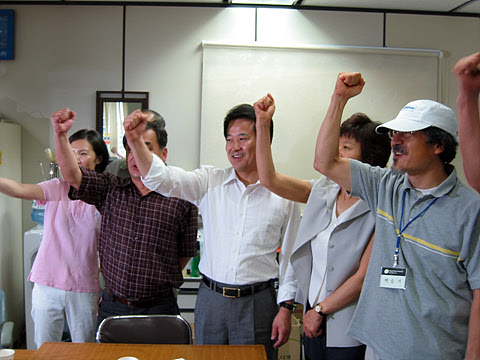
(264, 2)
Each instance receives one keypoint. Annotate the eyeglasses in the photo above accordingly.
(402, 134)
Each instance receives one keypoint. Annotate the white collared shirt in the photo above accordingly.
(243, 226)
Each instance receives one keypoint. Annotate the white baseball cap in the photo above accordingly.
(421, 114)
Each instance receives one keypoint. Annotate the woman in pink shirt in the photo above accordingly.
(65, 271)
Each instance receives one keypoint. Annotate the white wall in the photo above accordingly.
(64, 54)
(164, 56)
(11, 275)
(319, 27)
(457, 37)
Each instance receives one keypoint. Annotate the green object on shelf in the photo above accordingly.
(195, 260)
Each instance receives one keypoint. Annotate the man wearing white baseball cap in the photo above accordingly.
(421, 294)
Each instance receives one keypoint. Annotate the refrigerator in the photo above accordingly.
(11, 237)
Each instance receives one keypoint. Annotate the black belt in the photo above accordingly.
(138, 303)
(236, 291)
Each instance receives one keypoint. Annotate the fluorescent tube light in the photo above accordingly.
(264, 2)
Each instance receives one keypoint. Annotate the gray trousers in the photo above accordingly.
(247, 320)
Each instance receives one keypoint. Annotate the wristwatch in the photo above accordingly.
(288, 306)
(318, 309)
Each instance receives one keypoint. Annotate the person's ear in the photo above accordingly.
(163, 154)
(438, 149)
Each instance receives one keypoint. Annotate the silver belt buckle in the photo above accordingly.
(230, 296)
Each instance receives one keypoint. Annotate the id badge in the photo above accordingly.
(393, 278)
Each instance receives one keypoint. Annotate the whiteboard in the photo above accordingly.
(302, 79)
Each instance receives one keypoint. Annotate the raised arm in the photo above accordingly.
(467, 73)
(62, 121)
(282, 185)
(21, 191)
(134, 126)
(327, 157)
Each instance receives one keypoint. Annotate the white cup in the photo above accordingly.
(6, 354)
(122, 358)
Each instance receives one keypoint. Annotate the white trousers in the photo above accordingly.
(50, 308)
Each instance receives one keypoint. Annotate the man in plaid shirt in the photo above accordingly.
(146, 239)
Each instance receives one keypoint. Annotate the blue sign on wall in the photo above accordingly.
(6, 34)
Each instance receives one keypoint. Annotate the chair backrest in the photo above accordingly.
(6, 327)
(3, 307)
(145, 329)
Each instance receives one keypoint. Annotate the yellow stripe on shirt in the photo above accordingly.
(418, 240)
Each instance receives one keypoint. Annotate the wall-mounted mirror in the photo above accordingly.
(112, 108)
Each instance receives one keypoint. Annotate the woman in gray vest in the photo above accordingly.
(331, 253)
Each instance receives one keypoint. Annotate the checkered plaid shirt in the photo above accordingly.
(141, 237)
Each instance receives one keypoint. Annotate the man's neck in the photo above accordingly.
(142, 189)
(429, 179)
(248, 178)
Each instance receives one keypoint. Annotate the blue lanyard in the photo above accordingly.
(395, 256)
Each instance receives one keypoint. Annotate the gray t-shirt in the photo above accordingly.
(441, 252)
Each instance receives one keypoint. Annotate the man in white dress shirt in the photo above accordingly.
(244, 225)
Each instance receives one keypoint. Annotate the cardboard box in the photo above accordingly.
(291, 350)
(299, 312)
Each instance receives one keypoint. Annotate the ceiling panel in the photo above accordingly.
(473, 8)
(469, 6)
(411, 5)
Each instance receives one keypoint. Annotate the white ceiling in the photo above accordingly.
(464, 7)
